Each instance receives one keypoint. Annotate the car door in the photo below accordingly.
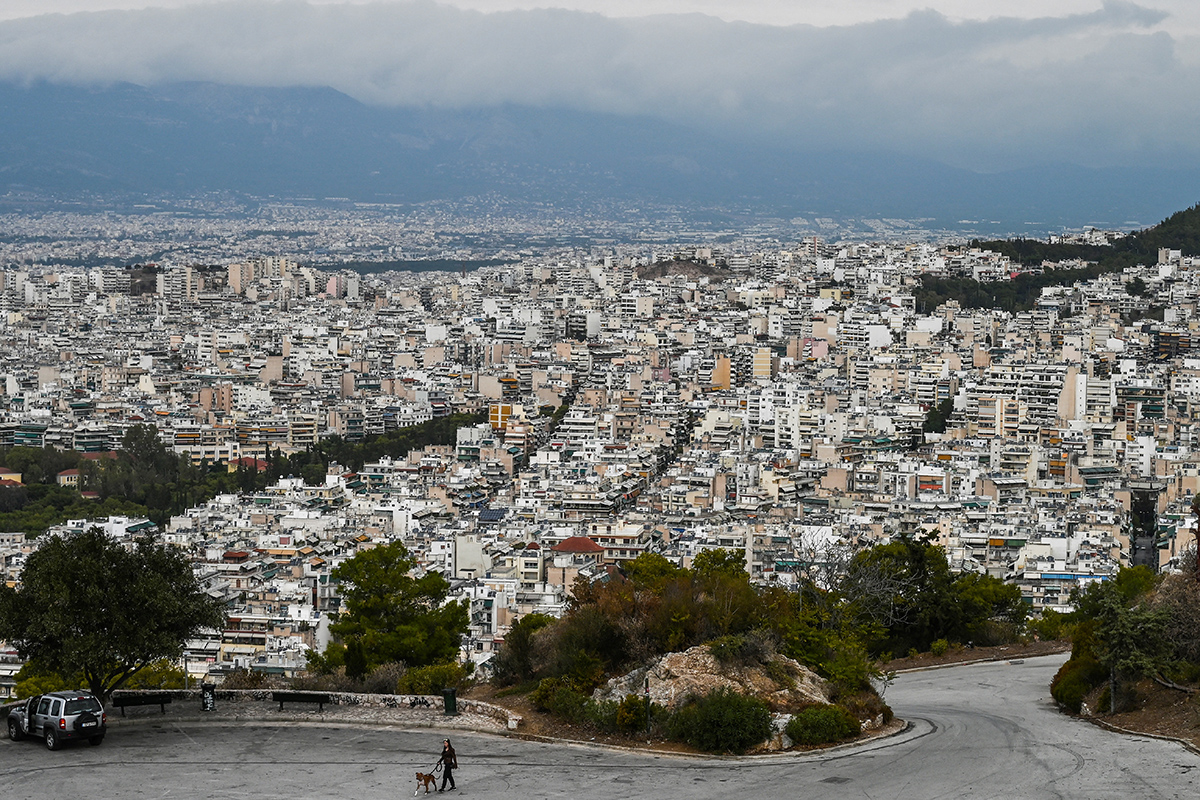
(28, 713)
(56, 709)
(38, 726)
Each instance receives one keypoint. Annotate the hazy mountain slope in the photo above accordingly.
(317, 142)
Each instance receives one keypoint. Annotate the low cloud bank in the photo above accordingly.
(1102, 88)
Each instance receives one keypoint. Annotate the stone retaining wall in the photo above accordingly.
(400, 702)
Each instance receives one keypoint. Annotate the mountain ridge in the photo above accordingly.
(201, 137)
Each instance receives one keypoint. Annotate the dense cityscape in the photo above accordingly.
(779, 400)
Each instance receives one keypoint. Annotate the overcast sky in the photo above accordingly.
(1084, 81)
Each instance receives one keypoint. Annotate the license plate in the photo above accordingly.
(90, 724)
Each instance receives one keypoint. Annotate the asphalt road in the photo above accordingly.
(986, 731)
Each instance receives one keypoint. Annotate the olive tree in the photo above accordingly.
(88, 604)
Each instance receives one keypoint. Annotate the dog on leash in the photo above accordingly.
(428, 781)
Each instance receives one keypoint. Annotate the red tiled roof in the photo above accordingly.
(577, 544)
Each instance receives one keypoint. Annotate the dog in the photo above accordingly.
(428, 781)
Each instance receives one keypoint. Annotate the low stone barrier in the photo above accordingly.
(400, 702)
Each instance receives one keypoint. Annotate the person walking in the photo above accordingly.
(449, 762)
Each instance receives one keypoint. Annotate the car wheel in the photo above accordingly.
(14, 730)
(95, 740)
(52, 741)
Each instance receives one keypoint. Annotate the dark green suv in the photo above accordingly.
(59, 717)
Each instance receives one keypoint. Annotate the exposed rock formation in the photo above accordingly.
(785, 684)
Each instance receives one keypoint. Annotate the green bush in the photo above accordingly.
(631, 714)
(727, 649)
(604, 715)
(939, 647)
(542, 697)
(562, 698)
(242, 678)
(866, 706)
(1075, 679)
(849, 669)
(748, 649)
(572, 705)
(778, 672)
(822, 724)
(431, 679)
(1051, 625)
(722, 721)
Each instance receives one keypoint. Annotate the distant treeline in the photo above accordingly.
(1180, 231)
(147, 478)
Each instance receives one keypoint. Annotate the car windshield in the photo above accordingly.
(81, 704)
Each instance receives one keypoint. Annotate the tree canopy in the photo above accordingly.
(89, 605)
(389, 615)
(890, 597)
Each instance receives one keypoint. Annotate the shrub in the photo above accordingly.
(603, 715)
(572, 705)
(241, 678)
(514, 662)
(562, 698)
(1051, 625)
(850, 669)
(631, 714)
(748, 649)
(727, 649)
(992, 632)
(431, 679)
(1075, 679)
(335, 681)
(822, 724)
(542, 696)
(1127, 698)
(939, 647)
(383, 679)
(721, 721)
(777, 671)
(866, 706)
(913, 652)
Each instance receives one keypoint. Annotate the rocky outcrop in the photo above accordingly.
(783, 683)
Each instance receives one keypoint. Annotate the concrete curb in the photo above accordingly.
(1128, 732)
(900, 727)
(992, 660)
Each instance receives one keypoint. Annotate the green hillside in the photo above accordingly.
(1180, 231)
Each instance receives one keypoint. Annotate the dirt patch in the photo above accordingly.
(1157, 710)
(961, 655)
